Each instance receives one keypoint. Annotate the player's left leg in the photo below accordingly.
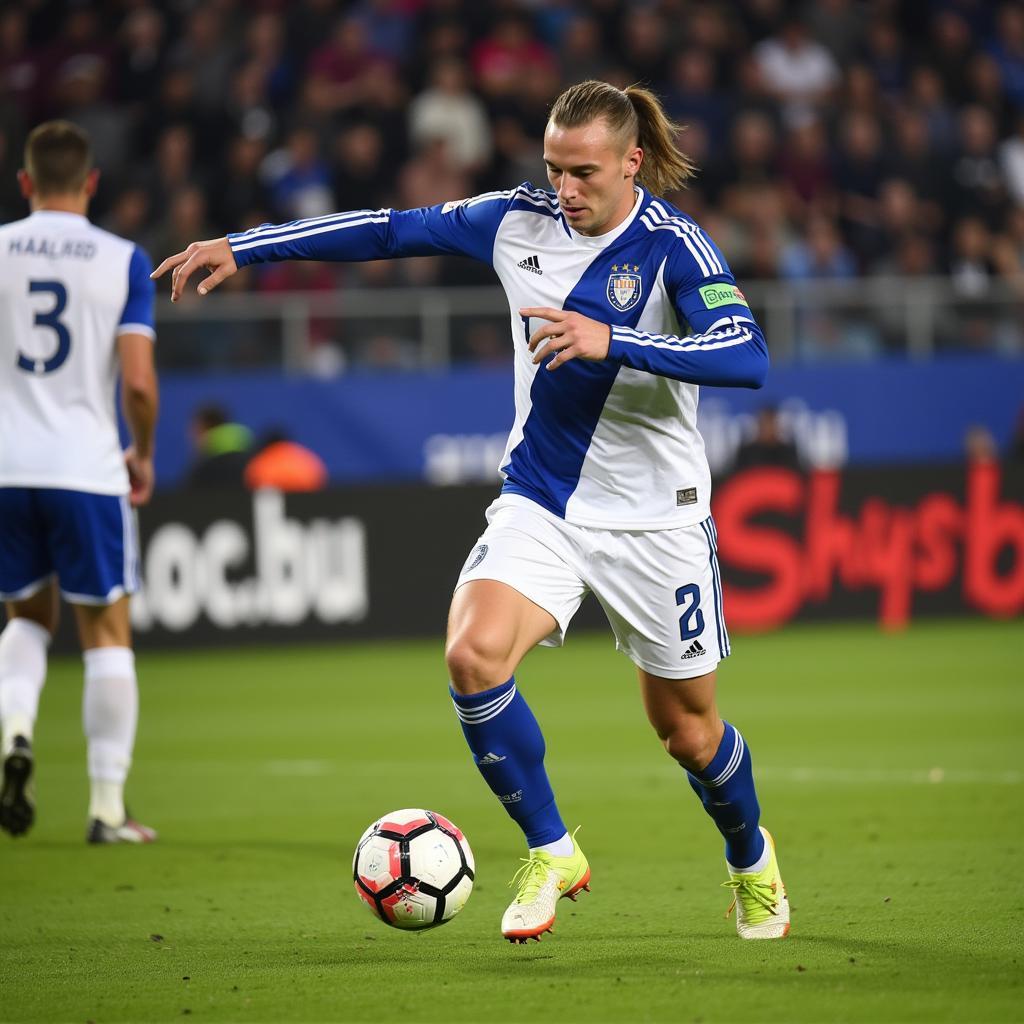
(662, 593)
(717, 760)
(92, 538)
(110, 712)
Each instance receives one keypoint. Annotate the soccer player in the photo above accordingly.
(620, 307)
(76, 305)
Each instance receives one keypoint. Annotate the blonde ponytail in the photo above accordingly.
(637, 116)
(665, 168)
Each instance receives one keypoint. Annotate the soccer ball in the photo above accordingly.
(413, 869)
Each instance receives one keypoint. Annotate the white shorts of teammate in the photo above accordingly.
(661, 589)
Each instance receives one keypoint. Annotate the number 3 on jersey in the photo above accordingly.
(50, 319)
(691, 622)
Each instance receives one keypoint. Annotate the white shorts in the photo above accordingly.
(661, 589)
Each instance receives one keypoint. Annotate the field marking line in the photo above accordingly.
(303, 769)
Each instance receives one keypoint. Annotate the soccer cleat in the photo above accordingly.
(130, 831)
(540, 883)
(17, 799)
(759, 898)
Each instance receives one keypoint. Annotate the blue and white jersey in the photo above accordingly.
(610, 444)
(67, 290)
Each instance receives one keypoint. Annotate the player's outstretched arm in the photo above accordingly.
(215, 255)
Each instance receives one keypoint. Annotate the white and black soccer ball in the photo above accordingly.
(413, 869)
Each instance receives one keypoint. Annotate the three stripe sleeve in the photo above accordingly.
(466, 228)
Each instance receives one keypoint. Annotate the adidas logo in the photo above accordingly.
(695, 651)
(491, 759)
(532, 264)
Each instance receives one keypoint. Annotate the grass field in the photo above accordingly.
(889, 770)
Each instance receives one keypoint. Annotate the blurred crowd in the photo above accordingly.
(836, 139)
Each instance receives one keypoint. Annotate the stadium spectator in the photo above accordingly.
(342, 69)
(208, 51)
(1011, 160)
(285, 465)
(237, 192)
(448, 110)
(646, 45)
(884, 56)
(806, 171)
(580, 55)
(139, 61)
(859, 172)
(222, 449)
(358, 164)
(949, 50)
(265, 47)
(80, 93)
(507, 56)
(19, 66)
(820, 253)
(1007, 47)
(910, 158)
(798, 71)
(839, 25)
(693, 96)
(971, 266)
(298, 180)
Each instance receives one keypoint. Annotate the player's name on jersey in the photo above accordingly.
(54, 248)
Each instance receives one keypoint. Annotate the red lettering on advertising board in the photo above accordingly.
(993, 525)
(893, 549)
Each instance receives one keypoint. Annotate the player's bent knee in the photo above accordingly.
(474, 665)
(692, 742)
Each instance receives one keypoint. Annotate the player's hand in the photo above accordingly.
(215, 255)
(140, 476)
(569, 335)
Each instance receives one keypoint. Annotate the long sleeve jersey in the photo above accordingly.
(613, 443)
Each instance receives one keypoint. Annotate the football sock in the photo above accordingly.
(560, 848)
(23, 645)
(110, 711)
(726, 789)
(508, 749)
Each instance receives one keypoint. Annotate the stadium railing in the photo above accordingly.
(433, 327)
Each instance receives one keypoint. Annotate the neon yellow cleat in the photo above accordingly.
(540, 883)
(762, 908)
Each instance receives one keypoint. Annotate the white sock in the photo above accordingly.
(110, 712)
(559, 848)
(23, 645)
(759, 865)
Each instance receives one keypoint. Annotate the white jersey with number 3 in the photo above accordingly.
(67, 291)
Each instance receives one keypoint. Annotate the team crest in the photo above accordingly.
(624, 286)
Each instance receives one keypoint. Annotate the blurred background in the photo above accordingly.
(861, 166)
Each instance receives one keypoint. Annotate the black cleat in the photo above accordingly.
(17, 799)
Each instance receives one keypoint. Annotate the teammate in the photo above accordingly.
(620, 307)
(76, 305)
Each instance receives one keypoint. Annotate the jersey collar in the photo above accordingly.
(603, 241)
(48, 214)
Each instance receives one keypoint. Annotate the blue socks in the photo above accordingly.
(726, 788)
(508, 749)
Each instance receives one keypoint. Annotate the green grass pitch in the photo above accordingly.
(889, 770)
